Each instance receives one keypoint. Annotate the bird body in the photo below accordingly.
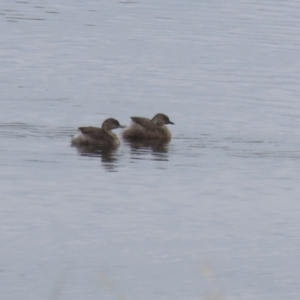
(96, 136)
(143, 128)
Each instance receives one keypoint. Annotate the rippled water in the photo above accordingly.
(214, 214)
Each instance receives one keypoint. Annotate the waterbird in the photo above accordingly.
(95, 136)
(143, 128)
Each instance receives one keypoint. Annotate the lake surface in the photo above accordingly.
(214, 214)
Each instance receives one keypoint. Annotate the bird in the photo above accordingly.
(143, 128)
(95, 136)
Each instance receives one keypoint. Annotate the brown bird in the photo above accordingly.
(102, 137)
(143, 128)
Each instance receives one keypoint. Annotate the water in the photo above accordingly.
(212, 215)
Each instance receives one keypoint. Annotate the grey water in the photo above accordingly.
(214, 214)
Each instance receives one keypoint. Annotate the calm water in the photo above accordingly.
(212, 215)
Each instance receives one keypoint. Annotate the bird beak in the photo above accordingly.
(171, 123)
(122, 126)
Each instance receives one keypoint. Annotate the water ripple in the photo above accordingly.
(23, 130)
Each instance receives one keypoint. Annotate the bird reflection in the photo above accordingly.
(159, 148)
(108, 155)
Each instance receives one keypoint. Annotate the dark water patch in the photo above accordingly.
(127, 2)
(250, 142)
(52, 12)
(233, 138)
(53, 100)
(163, 18)
(183, 138)
(271, 154)
(15, 129)
(138, 158)
(109, 156)
(156, 146)
(29, 19)
(10, 135)
(198, 146)
(148, 150)
(62, 99)
(42, 161)
(16, 125)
